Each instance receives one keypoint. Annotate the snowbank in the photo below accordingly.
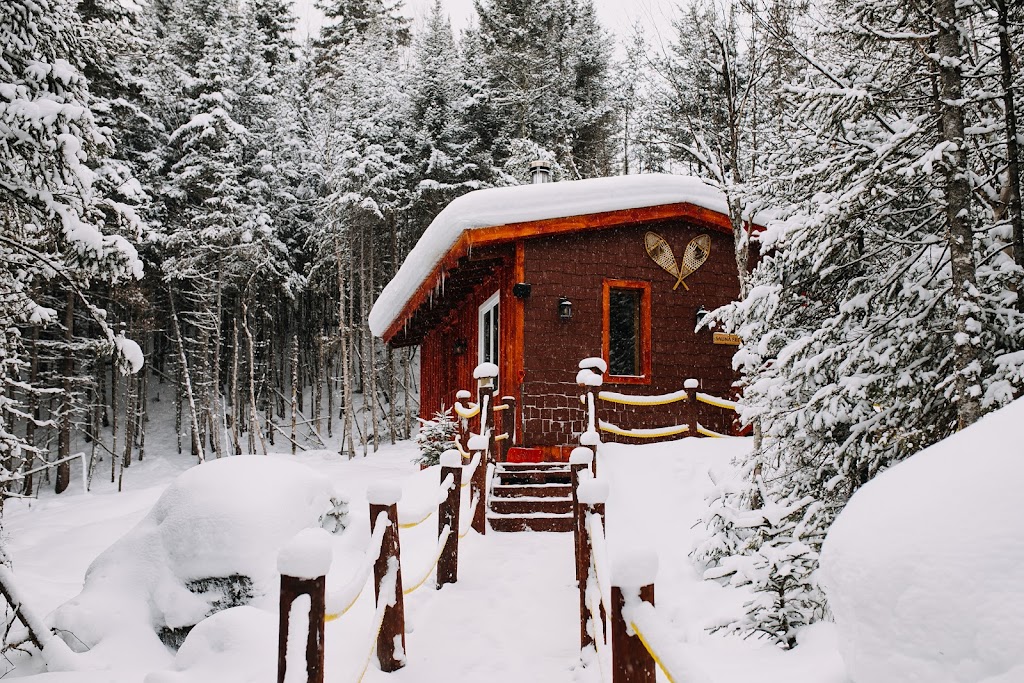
(238, 644)
(504, 205)
(923, 569)
(210, 541)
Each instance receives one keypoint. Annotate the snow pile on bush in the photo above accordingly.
(209, 543)
(238, 644)
(924, 569)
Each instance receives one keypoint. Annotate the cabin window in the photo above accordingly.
(627, 331)
(487, 344)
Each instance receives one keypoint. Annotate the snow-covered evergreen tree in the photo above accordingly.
(873, 327)
(54, 240)
(544, 67)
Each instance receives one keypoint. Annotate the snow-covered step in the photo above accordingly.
(527, 505)
(533, 476)
(532, 490)
(535, 521)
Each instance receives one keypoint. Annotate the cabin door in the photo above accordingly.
(487, 343)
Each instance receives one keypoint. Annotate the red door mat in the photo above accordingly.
(521, 454)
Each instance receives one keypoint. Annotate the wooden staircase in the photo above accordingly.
(531, 497)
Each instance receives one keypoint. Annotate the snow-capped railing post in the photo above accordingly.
(591, 375)
(448, 516)
(579, 460)
(632, 583)
(384, 498)
(484, 374)
(303, 563)
(592, 495)
(691, 405)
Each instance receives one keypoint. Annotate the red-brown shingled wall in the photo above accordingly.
(575, 266)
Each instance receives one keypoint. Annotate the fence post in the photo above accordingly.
(632, 581)
(691, 406)
(384, 497)
(462, 396)
(484, 374)
(579, 460)
(303, 563)
(591, 375)
(448, 516)
(592, 496)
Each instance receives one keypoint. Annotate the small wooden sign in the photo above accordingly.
(728, 339)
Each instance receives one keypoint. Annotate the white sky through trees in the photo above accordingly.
(616, 15)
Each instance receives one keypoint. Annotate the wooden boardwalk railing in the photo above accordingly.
(383, 557)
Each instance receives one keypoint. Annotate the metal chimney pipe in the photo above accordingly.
(540, 172)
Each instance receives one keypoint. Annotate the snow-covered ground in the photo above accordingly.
(512, 616)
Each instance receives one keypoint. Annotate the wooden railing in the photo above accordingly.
(305, 561)
(620, 627)
(591, 377)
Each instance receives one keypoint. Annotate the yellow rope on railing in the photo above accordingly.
(379, 616)
(409, 525)
(467, 413)
(376, 541)
(659, 400)
(441, 540)
(715, 401)
(701, 429)
(643, 433)
(650, 650)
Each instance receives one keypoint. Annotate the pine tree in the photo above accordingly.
(436, 436)
(876, 324)
(448, 156)
(544, 67)
(55, 222)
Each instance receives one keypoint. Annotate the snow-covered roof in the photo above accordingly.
(524, 203)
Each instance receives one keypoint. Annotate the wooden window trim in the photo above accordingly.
(645, 329)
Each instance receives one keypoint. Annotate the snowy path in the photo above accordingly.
(512, 616)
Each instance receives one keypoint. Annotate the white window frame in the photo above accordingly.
(493, 303)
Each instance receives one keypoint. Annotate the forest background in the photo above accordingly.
(191, 199)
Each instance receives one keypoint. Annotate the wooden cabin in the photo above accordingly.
(537, 277)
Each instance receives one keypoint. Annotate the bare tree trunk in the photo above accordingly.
(254, 417)
(957, 195)
(372, 353)
(269, 383)
(178, 391)
(295, 383)
(1012, 146)
(329, 371)
(197, 446)
(143, 414)
(346, 374)
(318, 383)
(33, 409)
(129, 421)
(64, 437)
(216, 420)
(234, 390)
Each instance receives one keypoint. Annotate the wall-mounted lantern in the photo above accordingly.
(521, 290)
(701, 314)
(459, 347)
(564, 308)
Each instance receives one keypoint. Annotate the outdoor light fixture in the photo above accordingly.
(701, 314)
(521, 290)
(460, 347)
(564, 308)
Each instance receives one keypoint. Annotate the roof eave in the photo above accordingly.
(498, 234)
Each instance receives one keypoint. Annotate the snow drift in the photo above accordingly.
(210, 542)
(923, 569)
